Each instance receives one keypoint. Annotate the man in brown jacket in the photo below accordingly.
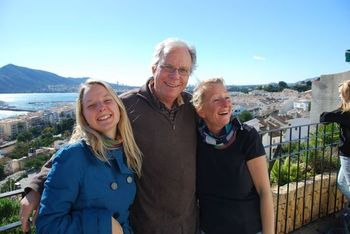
(163, 122)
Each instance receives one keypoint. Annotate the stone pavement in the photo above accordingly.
(332, 224)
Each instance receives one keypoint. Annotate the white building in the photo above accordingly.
(254, 123)
(11, 127)
(296, 130)
(303, 104)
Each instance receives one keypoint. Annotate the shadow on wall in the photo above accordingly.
(325, 96)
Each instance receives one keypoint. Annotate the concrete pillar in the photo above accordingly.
(325, 95)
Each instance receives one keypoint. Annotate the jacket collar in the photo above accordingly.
(147, 92)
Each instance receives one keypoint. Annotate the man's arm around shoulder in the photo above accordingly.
(31, 200)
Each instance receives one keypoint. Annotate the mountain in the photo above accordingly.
(16, 79)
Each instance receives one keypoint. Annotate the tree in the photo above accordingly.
(47, 132)
(271, 88)
(303, 86)
(36, 131)
(309, 84)
(282, 85)
(20, 150)
(2, 172)
(259, 87)
(24, 136)
(64, 125)
(36, 162)
(21, 127)
(245, 116)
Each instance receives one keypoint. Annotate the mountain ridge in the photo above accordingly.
(17, 79)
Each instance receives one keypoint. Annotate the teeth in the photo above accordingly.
(172, 85)
(104, 117)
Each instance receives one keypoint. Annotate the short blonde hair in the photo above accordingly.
(344, 90)
(124, 132)
(199, 91)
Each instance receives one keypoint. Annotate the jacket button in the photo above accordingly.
(129, 179)
(114, 186)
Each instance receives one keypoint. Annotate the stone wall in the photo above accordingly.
(319, 199)
(325, 95)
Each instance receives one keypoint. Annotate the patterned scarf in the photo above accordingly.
(220, 141)
(111, 144)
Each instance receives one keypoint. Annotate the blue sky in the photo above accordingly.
(245, 42)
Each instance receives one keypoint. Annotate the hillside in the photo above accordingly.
(16, 79)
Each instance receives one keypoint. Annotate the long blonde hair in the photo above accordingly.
(344, 90)
(92, 137)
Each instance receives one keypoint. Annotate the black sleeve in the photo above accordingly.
(328, 117)
(253, 147)
(342, 118)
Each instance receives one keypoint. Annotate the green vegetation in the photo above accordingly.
(36, 137)
(285, 171)
(8, 186)
(33, 138)
(300, 86)
(36, 162)
(245, 116)
(9, 210)
(2, 172)
(301, 159)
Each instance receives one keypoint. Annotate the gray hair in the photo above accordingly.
(199, 91)
(169, 44)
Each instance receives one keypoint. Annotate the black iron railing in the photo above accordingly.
(303, 166)
(15, 195)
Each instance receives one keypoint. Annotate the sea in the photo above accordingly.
(33, 102)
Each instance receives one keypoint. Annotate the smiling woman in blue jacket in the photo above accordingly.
(91, 187)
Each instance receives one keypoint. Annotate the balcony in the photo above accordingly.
(303, 166)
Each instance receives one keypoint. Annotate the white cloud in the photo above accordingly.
(260, 58)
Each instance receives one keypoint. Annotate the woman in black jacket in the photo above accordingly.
(342, 117)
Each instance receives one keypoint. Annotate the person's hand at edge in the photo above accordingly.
(29, 204)
(116, 228)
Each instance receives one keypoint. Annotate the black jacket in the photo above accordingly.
(343, 119)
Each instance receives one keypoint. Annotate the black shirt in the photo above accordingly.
(228, 200)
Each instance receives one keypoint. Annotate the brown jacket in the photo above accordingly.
(165, 200)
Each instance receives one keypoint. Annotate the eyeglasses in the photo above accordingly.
(170, 69)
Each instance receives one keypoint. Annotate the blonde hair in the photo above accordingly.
(92, 137)
(199, 91)
(344, 90)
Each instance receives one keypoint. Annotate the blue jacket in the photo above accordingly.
(82, 193)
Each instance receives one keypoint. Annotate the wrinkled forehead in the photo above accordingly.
(214, 89)
(179, 52)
